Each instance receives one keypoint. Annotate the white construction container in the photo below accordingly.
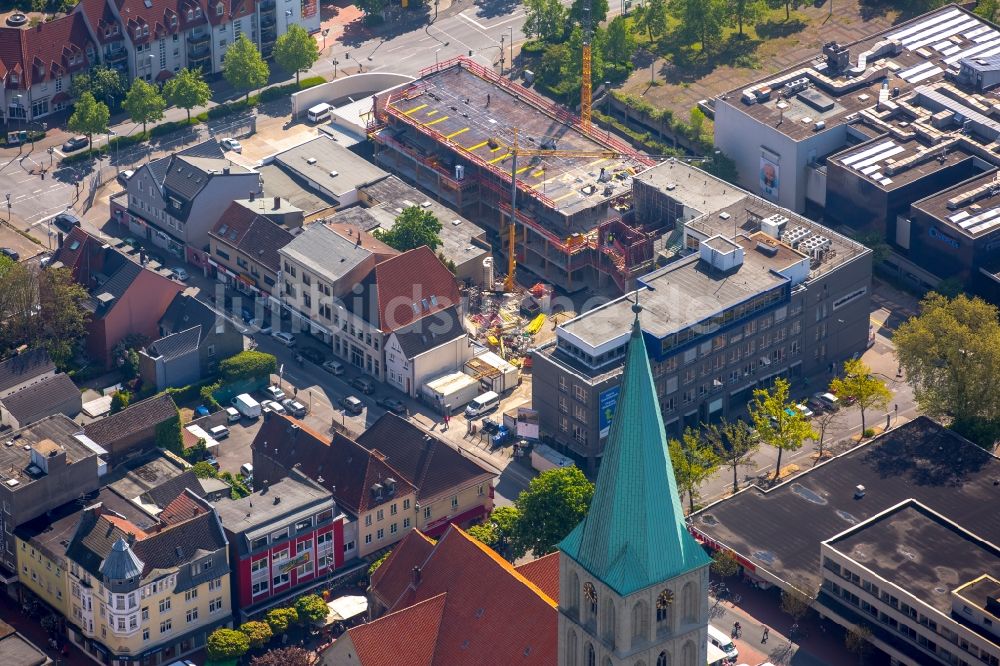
(544, 458)
(451, 392)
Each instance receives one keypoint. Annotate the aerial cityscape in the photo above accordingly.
(492, 332)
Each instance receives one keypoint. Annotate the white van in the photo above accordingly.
(484, 403)
(723, 642)
(246, 470)
(247, 406)
(319, 112)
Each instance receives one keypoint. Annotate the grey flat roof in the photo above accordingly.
(260, 508)
(315, 159)
(918, 551)
(780, 530)
(682, 293)
(325, 252)
(974, 208)
(691, 186)
(15, 459)
(277, 183)
(135, 477)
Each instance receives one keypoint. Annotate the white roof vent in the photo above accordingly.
(310, 160)
(725, 215)
(455, 223)
(425, 204)
(859, 491)
(334, 174)
(10, 483)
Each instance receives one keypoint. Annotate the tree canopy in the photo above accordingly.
(243, 67)
(286, 656)
(296, 50)
(552, 505)
(858, 383)
(311, 608)
(735, 445)
(104, 83)
(694, 461)
(279, 619)
(89, 117)
(413, 228)
(226, 643)
(186, 90)
(143, 103)
(259, 633)
(700, 20)
(499, 530)
(777, 421)
(545, 19)
(652, 17)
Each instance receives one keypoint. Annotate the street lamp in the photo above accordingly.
(510, 29)
(326, 31)
(8, 206)
(502, 37)
(436, 56)
(607, 93)
(335, 63)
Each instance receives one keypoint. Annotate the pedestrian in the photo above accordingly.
(763, 638)
(447, 418)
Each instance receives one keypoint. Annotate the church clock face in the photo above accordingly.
(665, 599)
(590, 593)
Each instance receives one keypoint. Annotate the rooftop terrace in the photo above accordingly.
(971, 208)
(476, 113)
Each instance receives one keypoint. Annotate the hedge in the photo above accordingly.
(189, 393)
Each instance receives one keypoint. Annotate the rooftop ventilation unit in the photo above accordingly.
(310, 160)
(795, 235)
(795, 86)
(773, 225)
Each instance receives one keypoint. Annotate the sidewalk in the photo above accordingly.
(30, 628)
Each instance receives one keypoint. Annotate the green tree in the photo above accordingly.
(988, 9)
(652, 17)
(619, 45)
(722, 166)
(553, 504)
(377, 563)
(286, 656)
(143, 103)
(545, 20)
(168, 435)
(875, 242)
(187, 90)
(243, 67)
(371, 7)
(89, 117)
(857, 382)
(724, 563)
(104, 83)
(226, 643)
(259, 633)
(413, 228)
(296, 50)
(735, 445)
(694, 460)
(61, 315)
(795, 601)
(499, 530)
(951, 353)
(745, 11)
(777, 421)
(789, 5)
(204, 470)
(700, 20)
(279, 619)
(697, 124)
(311, 608)
(120, 401)
(857, 639)
(598, 11)
(825, 421)
(249, 364)
(197, 452)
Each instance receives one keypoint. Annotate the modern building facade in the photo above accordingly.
(758, 293)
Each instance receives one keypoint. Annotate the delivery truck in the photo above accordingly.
(451, 392)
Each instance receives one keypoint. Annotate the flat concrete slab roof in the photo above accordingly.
(329, 165)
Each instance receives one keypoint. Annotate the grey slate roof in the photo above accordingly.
(252, 234)
(325, 252)
(121, 563)
(116, 285)
(185, 312)
(429, 332)
(135, 418)
(38, 398)
(24, 367)
(169, 490)
(176, 345)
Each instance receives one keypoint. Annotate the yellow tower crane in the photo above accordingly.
(585, 92)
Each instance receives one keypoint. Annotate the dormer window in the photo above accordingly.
(190, 15)
(114, 29)
(197, 12)
(173, 21)
(145, 30)
(14, 78)
(219, 8)
(138, 33)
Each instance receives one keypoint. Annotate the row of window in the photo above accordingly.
(283, 534)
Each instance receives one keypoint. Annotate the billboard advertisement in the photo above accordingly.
(606, 407)
(769, 178)
(527, 423)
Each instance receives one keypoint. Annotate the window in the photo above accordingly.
(579, 393)
(454, 502)
(164, 605)
(406, 505)
(406, 523)
(145, 613)
(145, 633)
(381, 533)
(368, 539)
(192, 615)
(349, 546)
(215, 605)
(303, 524)
(392, 528)
(191, 594)
(427, 512)
(166, 626)
(379, 515)
(219, 8)
(480, 490)
(368, 520)
(215, 584)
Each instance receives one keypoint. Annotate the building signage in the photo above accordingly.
(606, 406)
(527, 423)
(938, 236)
(295, 562)
(769, 178)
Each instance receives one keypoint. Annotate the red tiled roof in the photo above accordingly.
(53, 49)
(416, 278)
(144, 23)
(11, 55)
(408, 636)
(543, 572)
(184, 506)
(492, 614)
(101, 19)
(231, 9)
(393, 577)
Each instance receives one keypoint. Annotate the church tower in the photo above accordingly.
(633, 583)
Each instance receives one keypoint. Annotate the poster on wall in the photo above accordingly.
(527, 423)
(769, 174)
(608, 402)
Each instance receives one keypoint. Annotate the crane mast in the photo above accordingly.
(585, 92)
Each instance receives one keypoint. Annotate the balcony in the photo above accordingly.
(267, 21)
(194, 39)
(267, 7)
(115, 55)
(198, 51)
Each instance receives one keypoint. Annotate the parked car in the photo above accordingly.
(232, 414)
(272, 406)
(825, 401)
(211, 460)
(179, 274)
(286, 339)
(335, 367)
(363, 384)
(66, 221)
(352, 405)
(76, 143)
(274, 393)
(246, 470)
(124, 176)
(219, 432)
(231, 144)
(804, 410)
(10, 253)
(392, 404)
(294, 407)
(312, 354)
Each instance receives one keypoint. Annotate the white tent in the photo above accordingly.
(344, 608)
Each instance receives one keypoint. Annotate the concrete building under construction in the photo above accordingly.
(463, 133)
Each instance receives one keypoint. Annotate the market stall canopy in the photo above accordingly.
(344, 608)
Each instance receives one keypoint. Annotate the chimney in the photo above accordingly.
(277, 203)
(357, 243)
(416, 575)
(225, 171)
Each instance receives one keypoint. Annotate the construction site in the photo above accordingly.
(554, 193)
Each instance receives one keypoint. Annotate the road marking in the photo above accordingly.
(481, 26)
(435, 122)
(603, 159)
(454, 134)
(431, 112)
(477, 146)
(37, 191)
(414, 109)
(497, 159)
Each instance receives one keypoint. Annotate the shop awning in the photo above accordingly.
(344, 608)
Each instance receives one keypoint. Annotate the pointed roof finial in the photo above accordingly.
(636, 308)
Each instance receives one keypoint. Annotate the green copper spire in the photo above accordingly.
(634, 534)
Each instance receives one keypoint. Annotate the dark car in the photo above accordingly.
(9, 253)
(66, 221)
(76, 143)
(364, 385)
(312, 354)
(392, 404)
(352, 405)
